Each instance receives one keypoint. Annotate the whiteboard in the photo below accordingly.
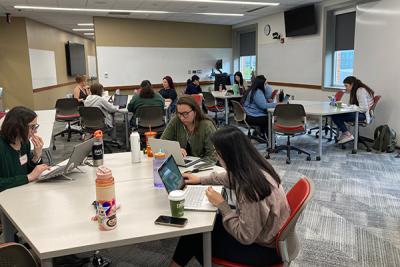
(43, 68)
(298, 60)
(92, 67)
(121, 66)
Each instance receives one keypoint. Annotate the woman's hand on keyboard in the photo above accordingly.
(214, 197)
(190, 178)
(37, 171)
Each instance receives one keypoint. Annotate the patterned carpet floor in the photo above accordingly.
(353, 219)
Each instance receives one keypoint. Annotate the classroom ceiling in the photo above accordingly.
(182, 11)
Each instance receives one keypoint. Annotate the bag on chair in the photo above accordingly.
(384, 139)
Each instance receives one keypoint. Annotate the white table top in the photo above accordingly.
(222, 95)
(319, 108)
(57, 222)
(166, 105)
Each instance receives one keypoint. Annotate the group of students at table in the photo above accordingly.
(244, 233)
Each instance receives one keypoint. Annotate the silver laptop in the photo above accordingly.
(79, 153)
(195, 197)
(121, 101)
(173, 148)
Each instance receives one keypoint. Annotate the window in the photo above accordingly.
(339, 46)
(247, 65)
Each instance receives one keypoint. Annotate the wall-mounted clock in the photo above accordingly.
(267, 30)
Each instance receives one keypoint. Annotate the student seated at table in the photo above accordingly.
(96, 100)
(18, 166)
(192, 129)
(168, 92)
(245, 235)
(193, 86)
(242, 83)
(255, 104)
(360, 95)
(146, 97)
(81, 90)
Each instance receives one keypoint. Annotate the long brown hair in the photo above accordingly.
(147, 91)
(356, 83)
(200, 116)
(15, 124)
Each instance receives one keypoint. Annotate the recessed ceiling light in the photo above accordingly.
(83, 30)
(89, 9)
(230, 2)
(88, 33)
(85, 24)
(220, 14)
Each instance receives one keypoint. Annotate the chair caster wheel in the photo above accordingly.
(308, 158)
(369, 150)
(309, 132)
(54, 147)
(288, 161)
(267, 156)
(353, 152)
(329, 139)
(318, 158)
(316, 136)
(68, 140)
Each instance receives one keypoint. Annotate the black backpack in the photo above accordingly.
(384, 139)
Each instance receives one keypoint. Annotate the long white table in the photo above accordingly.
(54, 217)
(318, 109)
(222, 95)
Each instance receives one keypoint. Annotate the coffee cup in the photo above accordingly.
(339, 104)
(177, 203)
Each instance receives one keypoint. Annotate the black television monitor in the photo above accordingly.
(76, 63)
(221, 79)
(218, 64)
(300, 21)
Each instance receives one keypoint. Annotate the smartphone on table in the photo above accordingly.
(171, 221)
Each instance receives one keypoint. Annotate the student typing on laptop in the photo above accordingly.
(192, 129)
(245, 235)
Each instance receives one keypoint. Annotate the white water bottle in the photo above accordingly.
(135, 147)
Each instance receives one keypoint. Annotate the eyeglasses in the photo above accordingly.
(33, 127)
(184, 114)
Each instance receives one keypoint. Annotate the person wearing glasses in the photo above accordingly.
(245, 234)
(192, 129)
(18, 165)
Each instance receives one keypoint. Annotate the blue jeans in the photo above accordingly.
(340, 119)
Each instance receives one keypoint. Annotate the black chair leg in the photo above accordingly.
(288, 151)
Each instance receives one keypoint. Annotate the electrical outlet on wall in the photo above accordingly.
(199, 71)
(193, 71)
(189, 72)
(105, 75)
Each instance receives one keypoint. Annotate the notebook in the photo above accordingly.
(195, 198)
(173, 148)
(79, 153)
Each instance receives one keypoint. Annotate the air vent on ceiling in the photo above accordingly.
(255, 9)
(119, 13)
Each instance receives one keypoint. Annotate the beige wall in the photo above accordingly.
(15, 73)
(153, 33)
(41, 36)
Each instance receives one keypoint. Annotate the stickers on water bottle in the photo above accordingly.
(106, 214)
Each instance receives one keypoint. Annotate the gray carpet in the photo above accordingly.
(353, 220)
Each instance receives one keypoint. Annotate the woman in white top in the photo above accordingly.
(360, 95)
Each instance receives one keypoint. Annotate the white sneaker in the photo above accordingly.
(346, 139)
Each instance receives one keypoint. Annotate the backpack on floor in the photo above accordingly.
(384, 139)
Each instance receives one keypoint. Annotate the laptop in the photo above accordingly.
(79, 153)
(173, 148)
(195, 197)
(120, 100)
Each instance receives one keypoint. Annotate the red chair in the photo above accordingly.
(212, 105)
(287, 241)
(198, 98)
(274, 93)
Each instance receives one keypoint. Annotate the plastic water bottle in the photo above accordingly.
(106, 208)
(135, 147)
(158, 160)
(97, 148)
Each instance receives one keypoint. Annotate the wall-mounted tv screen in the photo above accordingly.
(76, 63)
(300, 21)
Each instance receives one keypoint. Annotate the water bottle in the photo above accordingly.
(97, 148)
(158, 160)
(106, 208)
(135, 147)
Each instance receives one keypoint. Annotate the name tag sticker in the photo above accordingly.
(23, 160)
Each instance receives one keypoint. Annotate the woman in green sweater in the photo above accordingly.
(192, 129)
(18, 165)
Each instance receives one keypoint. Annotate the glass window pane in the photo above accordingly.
(247, 64)
(342, 66)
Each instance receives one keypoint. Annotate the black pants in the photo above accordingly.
(224, 246)
(261, 122)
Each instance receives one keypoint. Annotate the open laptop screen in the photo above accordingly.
(171, 175)
(120, 100)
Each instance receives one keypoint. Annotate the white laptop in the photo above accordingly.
(173, 148)
(195, 197)
(79, 153)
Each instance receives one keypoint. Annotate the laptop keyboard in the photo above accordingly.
(194, 196)
(53, 172)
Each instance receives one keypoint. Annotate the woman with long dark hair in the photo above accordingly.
(192, 129)
(256, 104)
(242, 83)
(360, 95)
(245, 235)
(168, 92)
(146, 97)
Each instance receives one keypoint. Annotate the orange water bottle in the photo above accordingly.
(105, 199)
